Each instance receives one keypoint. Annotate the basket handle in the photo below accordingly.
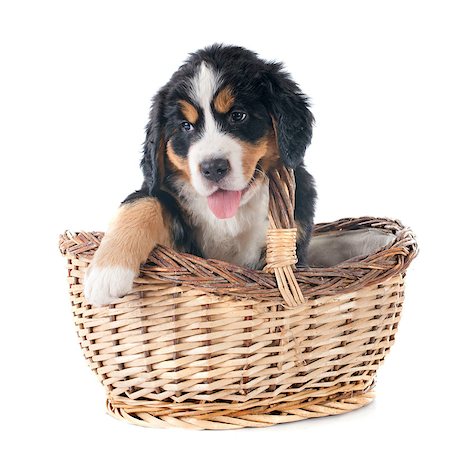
(281, 253)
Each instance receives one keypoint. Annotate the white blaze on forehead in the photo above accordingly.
(204, 86)
(213, 142)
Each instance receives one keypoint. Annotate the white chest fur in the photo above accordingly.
(238, 240)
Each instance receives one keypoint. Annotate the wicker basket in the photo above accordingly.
(204, 344)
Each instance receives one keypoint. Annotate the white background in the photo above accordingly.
(76, 83)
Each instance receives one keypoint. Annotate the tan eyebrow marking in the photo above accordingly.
(189, 111)
(224, 100)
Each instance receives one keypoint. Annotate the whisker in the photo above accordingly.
(263, 174)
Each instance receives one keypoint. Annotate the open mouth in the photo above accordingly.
(224, 204)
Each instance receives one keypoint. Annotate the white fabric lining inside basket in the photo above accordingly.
(334, 247)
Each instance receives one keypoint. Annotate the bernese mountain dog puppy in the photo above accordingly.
(221, 123)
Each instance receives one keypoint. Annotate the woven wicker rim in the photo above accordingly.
(166, 264)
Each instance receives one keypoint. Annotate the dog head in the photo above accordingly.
(222, 121)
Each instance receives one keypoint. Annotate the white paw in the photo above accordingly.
(102, 285)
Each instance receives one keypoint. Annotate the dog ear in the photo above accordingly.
(291, 117)
(152, 162)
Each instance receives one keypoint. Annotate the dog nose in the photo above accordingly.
(215, 169)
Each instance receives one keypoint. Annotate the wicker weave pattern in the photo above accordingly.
(223, 278)
(226, 419)
(182, 344)
(205, 344)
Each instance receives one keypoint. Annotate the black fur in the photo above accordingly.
(289, 108)
(305, 199)
(270, 96)
(155, 137)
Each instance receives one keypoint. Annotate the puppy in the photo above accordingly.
(221, 123)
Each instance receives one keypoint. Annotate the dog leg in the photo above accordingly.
(137, 228)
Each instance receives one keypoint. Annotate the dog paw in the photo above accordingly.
(102, 285)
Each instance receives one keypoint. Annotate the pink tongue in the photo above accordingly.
(224, 204)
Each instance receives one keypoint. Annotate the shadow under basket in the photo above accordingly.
(208, 345)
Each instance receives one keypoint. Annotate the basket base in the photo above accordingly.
(199, 421)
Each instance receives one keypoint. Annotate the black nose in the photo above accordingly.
(215, 169)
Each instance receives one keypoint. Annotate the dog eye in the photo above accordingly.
(238, 116)
(186, 126)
